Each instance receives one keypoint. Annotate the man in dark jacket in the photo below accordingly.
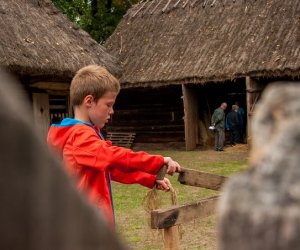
(218, 121)
(232, 124)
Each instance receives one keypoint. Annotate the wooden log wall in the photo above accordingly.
(155, 115)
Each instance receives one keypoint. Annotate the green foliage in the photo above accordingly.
(98, 17)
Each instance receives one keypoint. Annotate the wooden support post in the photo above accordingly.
(190, 117)
(171, 238)
(201, 179)
(175, 215)
(253, 94)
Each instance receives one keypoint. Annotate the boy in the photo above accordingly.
(87, 156)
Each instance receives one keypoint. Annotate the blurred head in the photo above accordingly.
(235, 107)
(223, 105)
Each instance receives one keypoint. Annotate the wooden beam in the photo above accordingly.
(253, 92)
(201, 179)
(175, 215)
(257, 90)
(57, 86)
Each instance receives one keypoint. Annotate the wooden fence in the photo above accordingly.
(169, 218)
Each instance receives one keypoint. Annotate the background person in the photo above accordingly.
(218, 121)
(242, 122)
(232, 124)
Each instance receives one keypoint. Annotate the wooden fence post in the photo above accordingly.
(260, 207)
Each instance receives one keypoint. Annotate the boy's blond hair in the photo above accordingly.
(92, 80)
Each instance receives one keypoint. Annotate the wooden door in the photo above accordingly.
(41, 112)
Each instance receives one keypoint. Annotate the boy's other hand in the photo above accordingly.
(164, 185)
(172, 166)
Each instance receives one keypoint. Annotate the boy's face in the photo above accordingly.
(100, 112)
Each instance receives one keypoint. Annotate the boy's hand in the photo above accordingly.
(172, 166)
(163, 185)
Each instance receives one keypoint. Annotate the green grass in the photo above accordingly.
(133, 222)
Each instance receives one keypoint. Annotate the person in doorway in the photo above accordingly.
(232, 125)
(93, 161)
(241, 117)
(218, 121)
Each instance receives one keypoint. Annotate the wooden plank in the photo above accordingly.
(201, 179)
(175, 215)
(57, 86)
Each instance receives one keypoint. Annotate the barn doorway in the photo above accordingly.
(154, 114)
(210, 96)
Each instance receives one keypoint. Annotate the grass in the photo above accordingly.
(133, 222)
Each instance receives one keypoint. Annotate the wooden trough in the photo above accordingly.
(169, 218)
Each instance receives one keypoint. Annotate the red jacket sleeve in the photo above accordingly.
(89, 150)
(130, 177)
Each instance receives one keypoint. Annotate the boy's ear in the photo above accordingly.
(88, 100)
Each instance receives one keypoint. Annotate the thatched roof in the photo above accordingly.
(196, 41)
(38, 40)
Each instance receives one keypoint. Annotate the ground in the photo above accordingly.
(133, 221)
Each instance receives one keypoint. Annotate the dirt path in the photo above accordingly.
(235, 153)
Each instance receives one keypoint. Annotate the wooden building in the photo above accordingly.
(183, 58)
(44, 50)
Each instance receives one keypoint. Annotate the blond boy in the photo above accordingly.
(87, 156)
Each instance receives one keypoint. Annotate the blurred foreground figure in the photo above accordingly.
(40, 209)
(260, 208)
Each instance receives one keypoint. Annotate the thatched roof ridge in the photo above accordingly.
(38, 40)
(159, 42)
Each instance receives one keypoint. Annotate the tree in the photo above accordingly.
(98, 17)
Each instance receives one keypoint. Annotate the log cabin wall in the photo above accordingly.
(155, 115)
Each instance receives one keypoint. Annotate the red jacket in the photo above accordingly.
(94, 162)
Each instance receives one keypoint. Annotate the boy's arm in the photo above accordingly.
(133, 177)
(142, 178)
(89, 151)
(145, 179)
